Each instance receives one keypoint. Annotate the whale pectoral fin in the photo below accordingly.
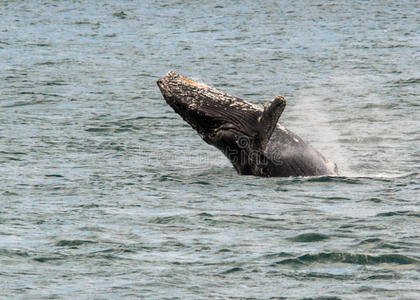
(269, 118)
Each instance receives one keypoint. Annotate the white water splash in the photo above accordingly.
(324, 121)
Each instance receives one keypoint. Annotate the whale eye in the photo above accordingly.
(226, 138)
(229, 138)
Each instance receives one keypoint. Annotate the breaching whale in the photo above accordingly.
(248, 135)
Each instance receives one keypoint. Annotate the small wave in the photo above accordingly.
(370, 241)
(55, 82)
(388, 246)
(404, 82)
(277, 255)
(363, 140)
(91, 228)
(121, 15)
(169, 220)
(72, 243)
(54, 175)
(110, 252)
(24, 103)
(359, 259)
(379, 177)
(406, 213)
(383, 277)
(100, 129)
(201, 182)
(206, 30)
(13, 152)
(8, 193)
(87, 23)
(232, 270)
(172, 244)
(224, 250)
(164, 178)
(255, 217)
(12, 252)
(43, 259)
(92, 205)
(45, 63)
(204, 214)
(380, 106)
(40, 44)
(309, 237)
(322, 298)
(343, 179)
(378, 243)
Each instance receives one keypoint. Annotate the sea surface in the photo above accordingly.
(105, 193)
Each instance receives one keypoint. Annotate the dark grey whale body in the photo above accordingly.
(248, 135)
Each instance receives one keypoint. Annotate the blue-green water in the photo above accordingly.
(106, 193)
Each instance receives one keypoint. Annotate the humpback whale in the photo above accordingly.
(249, 136)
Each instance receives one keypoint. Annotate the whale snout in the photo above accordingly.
(160, 84)
(163, 87)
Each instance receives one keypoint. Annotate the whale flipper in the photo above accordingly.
(268, 120)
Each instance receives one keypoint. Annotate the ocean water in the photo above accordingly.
(106, 193)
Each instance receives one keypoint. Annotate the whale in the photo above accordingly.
(250, 136)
